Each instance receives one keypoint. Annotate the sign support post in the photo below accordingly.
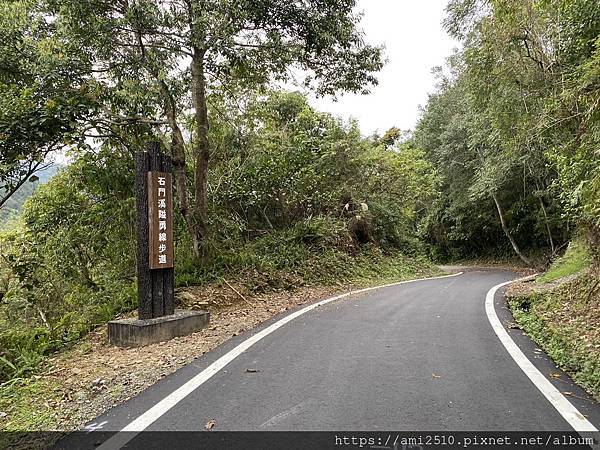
(155, 283)
(157, 318)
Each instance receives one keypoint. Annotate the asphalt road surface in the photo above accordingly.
(416, 356)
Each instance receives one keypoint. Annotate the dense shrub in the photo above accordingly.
(295, 196)
(68, 263)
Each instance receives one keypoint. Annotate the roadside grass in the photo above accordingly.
(575, 259)
(30, 404)
(25, 406)
(565, 322)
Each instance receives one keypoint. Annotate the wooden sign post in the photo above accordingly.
(154, 198)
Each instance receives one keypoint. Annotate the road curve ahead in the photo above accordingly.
(416, 356)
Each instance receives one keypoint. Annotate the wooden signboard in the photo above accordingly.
(156, 275)
(160, 220)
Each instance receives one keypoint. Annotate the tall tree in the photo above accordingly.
(43, 97)
(186, 50)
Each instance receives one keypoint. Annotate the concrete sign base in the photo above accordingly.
(138, 332)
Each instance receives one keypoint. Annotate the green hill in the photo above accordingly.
(15, 202)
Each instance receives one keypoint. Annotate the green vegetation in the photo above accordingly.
(564, 322)
(513, 129)
(575, 259)
(285, 187)
(300, 199)
(503, 161)
(44, 96)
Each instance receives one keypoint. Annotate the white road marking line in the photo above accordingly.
(149, 417)
(95, 426)
(553, 395)
(283, 415)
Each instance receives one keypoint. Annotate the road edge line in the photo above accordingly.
(564, 407)
(151, 415)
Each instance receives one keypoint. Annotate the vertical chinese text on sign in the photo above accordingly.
(160, 220)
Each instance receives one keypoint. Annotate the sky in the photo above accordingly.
(415, 42)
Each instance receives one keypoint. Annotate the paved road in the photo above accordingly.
(418, 356)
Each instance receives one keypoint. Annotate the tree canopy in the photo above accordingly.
(161, 63)
(44, 96)
(513, 123)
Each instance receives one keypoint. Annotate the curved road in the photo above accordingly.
(416, 356)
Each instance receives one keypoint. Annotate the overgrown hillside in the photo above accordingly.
(513, 132)
(301, 198)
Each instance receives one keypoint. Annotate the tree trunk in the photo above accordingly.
(177, 146)
(202, 149)
(507, 232)
(550, 240)
(179, 164)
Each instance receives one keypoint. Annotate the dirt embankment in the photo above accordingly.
(81, 383)
(563, 318)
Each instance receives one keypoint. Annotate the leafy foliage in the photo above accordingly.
(43, 96)
(513, 127)
(296, 196)
(69, 265)
(171, 57)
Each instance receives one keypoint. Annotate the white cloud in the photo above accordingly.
(415, 42)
